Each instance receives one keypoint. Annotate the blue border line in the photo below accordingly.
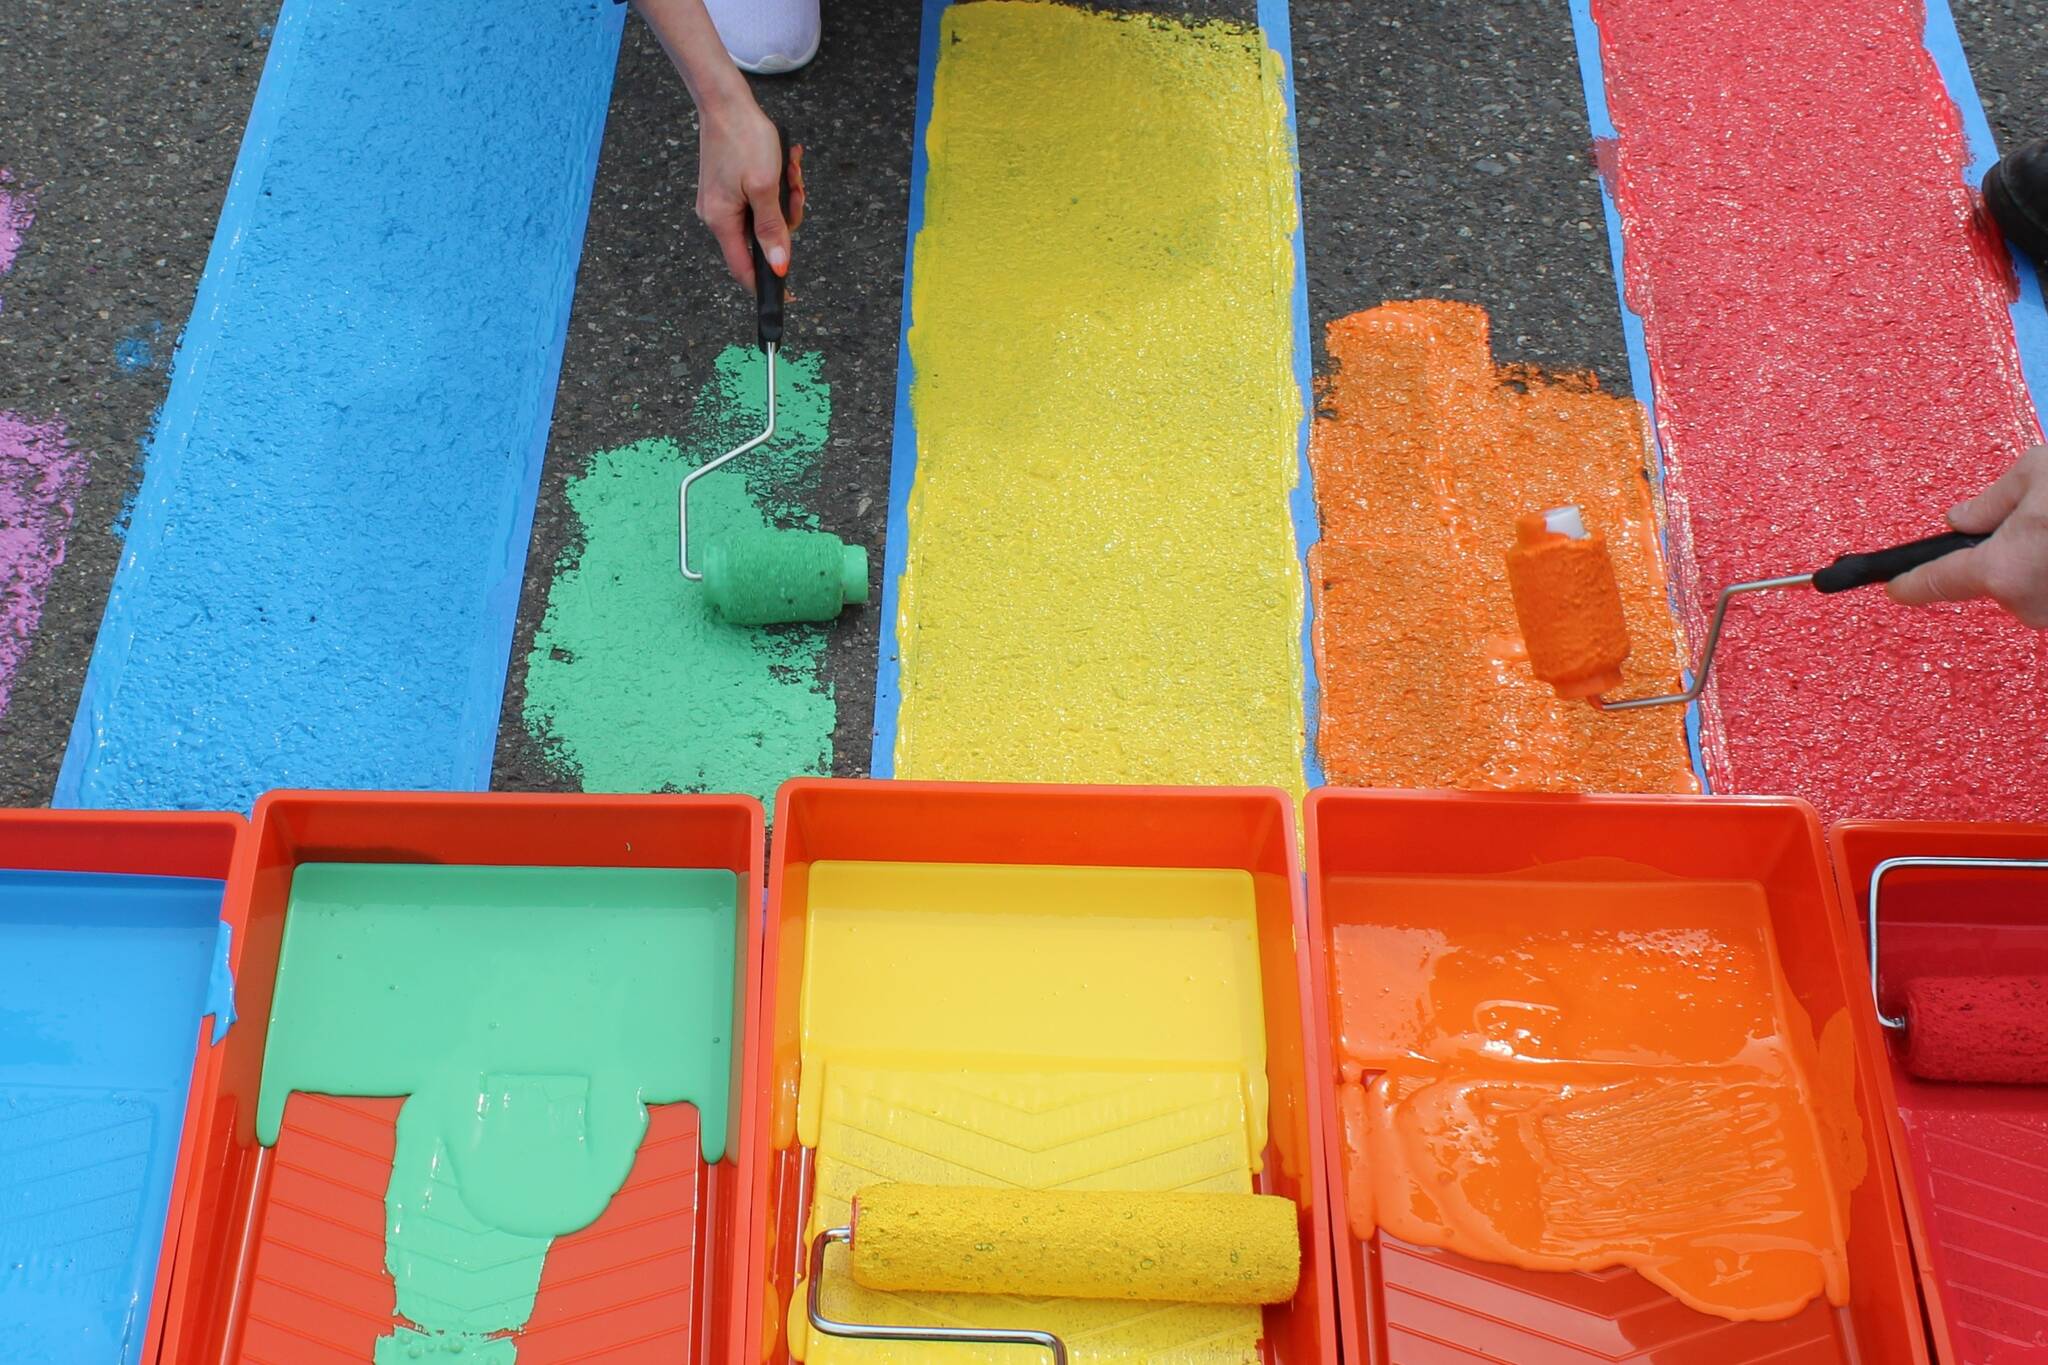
(2029, 317)
(1593, 77)
(903, 446)
(1277, 25)
(1274, 21)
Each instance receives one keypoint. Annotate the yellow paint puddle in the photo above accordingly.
(1102, 582)
(1036, 1027)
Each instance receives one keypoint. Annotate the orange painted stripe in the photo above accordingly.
(1424, 453)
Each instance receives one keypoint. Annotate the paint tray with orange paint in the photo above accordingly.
(1597, 1085)
(1972, 1159)
(1037, 987)
(282, 1250)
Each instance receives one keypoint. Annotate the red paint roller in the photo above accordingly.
(1988, 1030)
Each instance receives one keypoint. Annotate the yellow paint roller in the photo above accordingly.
(1098, 1244)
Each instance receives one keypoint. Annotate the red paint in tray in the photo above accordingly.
(1403, 1304)
(1973, 1159)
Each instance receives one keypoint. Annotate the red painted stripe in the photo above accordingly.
(1834, 366)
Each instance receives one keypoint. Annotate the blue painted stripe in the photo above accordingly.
(903, 449)
(1274, 21)
(2029, 318)
(320, 580)
(1592, 76)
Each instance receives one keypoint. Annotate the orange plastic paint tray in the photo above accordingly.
(282, 1254)
(83, 1150)
(1016, 841)
(1973, 1159)
(1402, 1303)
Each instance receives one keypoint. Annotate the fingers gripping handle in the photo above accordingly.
(1882, 566)
(767, 284)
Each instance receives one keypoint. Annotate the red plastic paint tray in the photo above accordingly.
(1409, 1305)
(1973, 1159)
(282, 1254)
(140, 844)
(1043, 825)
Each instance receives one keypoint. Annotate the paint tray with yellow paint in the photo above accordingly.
(1089, 998)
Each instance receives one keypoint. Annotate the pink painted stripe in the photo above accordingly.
(17, 211)
(1834, 365)
(40, 476)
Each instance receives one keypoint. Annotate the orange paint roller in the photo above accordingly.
(1568, 602)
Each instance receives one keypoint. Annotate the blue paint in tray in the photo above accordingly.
(104, 983)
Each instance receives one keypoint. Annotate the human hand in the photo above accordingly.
(2011, 568)
(738, 178)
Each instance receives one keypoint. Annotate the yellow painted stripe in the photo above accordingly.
(1101, 579)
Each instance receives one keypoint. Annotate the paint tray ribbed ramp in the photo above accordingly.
(1407, 1304)
(622, 1289)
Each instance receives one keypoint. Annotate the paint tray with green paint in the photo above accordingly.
(485, 1106)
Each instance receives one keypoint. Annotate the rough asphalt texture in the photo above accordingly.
(1444, 154)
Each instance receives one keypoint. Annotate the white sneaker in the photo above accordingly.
(768, 37)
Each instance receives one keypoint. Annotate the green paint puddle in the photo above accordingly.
(529, 1015)
(633, 682)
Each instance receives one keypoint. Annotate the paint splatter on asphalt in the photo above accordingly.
(634, 684)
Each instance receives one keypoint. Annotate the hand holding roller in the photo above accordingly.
(1568, 602)
(759, 578)
(1098, 1244)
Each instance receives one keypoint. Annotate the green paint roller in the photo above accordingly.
(763, 578)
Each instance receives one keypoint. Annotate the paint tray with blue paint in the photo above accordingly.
(107, 980)
(481, 1106)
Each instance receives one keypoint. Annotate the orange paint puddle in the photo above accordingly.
(1424, 454)
(1589, 1073)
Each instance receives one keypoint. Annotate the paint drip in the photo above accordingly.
(1835, 365)
(609, 990)
(1573, 1075)
(1101, 582)
(41, 476)
(1425, 454)
(634, 683)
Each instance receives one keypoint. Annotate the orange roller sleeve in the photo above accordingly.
(1567, 603)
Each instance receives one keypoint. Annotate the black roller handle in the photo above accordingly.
(1882, 566)
(768, 284)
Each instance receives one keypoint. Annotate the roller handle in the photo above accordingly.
(1882, 566)
(768, 284)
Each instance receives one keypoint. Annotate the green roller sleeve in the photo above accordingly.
(763, 578)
